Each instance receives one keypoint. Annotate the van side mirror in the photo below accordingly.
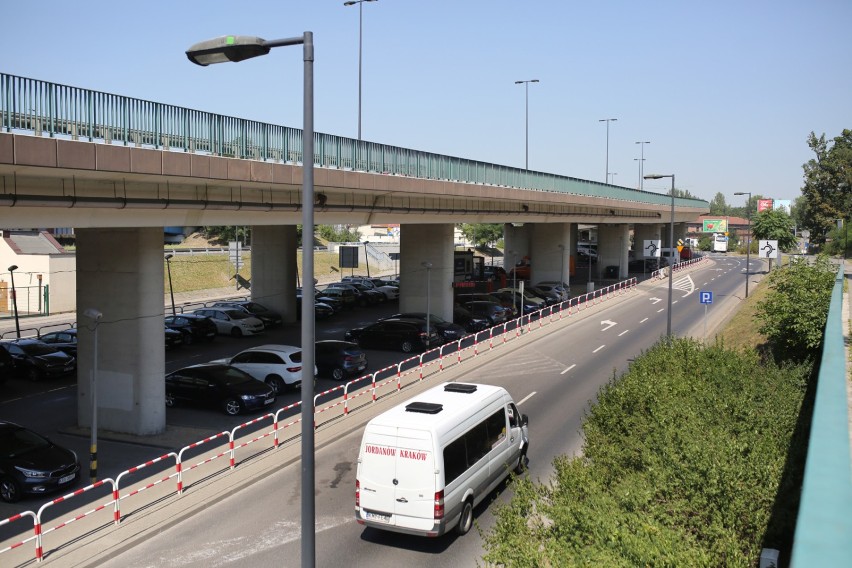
(525, 420)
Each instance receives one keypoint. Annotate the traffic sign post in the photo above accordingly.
(706, 298)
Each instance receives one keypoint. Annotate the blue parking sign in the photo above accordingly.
(706, 297)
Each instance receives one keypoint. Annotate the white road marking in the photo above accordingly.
(623, 332)
(568, 369)
(644, 320)
(607, 323)
(660, 310)
(599, 348)
(532, 394)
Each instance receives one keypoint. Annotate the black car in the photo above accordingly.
(37, 360)
(550, 298)
(321, 309)
(32, 464)
(447, 330)
(504, 300)
(193, 327)
(214, 384)
(270, 318)
(174, 338)
(492, 311)
(364, 295)
(643, 265)
(468, 320)
(405, 334)
(339, 359)
(347, 297)
(65, 340)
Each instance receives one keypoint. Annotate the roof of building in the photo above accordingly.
(32, 242)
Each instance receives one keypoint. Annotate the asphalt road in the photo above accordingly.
(553, 375)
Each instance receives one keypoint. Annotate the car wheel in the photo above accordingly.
(10, 491)
(33, 374)
(276, 383)
(236, 332)
(170, 400)
(231, 406)
(338, 374)
(466, 518)
(407, 347)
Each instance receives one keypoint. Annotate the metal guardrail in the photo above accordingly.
(43, 107)
(824, 525)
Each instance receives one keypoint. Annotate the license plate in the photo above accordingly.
(379, 517)
(268, 401)
(66, 479)
(362, 366)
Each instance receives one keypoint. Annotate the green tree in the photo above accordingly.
(828, 184)
(481, 234)
(774, 224)
(338, 233)
(793, 314)
(718, 206)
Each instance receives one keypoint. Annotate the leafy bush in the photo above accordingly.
(793, 314)
(682, 460)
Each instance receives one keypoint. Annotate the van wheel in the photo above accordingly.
(466, 518)
(407, 347)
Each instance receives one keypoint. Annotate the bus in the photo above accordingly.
(720, 242)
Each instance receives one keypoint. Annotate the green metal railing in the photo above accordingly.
(45, 108)
(824, 525)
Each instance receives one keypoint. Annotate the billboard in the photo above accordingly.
(784, 205)
(764, 205)
(715, 226)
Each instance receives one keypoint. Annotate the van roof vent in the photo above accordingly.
(424, 407)
(460, 387)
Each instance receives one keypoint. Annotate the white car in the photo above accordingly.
(390, 292)
(279, 366)
(232, 321)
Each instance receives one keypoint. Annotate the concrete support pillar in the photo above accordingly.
(613, 245)
(120, 273)
(516, 244)
(642, 233)
(549, 261)
(274, 270)
(426, 243)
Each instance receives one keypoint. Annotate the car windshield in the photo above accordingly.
(37, 348)
(15, 442)
(237, 314)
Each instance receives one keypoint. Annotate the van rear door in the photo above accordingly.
(397, 477)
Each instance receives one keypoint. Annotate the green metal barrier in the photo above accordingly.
(44, 108)
(824, 526)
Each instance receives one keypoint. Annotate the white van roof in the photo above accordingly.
(447, 403)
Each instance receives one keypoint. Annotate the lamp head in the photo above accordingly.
(655, 176)
(169, 256)
(93, 314)
(742, 193)
(13, 268)
(227, 48)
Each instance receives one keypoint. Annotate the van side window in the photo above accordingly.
(473, 445)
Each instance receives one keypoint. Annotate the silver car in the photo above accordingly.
(232, 321)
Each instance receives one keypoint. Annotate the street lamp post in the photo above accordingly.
(12, 270)
(238, 48)
(95, 316)
(607, 120)
(527, 117)
(671, 249)
(360, 36)
(561, 248)
(642, 163)
(748, 236)
(428, 267)
(171, 290)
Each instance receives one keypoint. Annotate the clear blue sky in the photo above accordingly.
(725, 91)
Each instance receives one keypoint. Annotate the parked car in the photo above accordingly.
(279, 366)
(231, 321)
(472, 323)
(322, 310)
(560, 288)
(523, 304)
(194, 327)
(65, 340)
(174, 338)
(348, 297)
(366, 296)
(642, 265)
(447, 330)
(390, 292)
(504, 300)
(32, 464)
(336, 303)
(339, 359)
(212, 384)
(270, 318)
(549, 297)
(37, 360)
(7, 366)
(491, 311)
(405, 334)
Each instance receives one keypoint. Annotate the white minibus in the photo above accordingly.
(426, 463)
